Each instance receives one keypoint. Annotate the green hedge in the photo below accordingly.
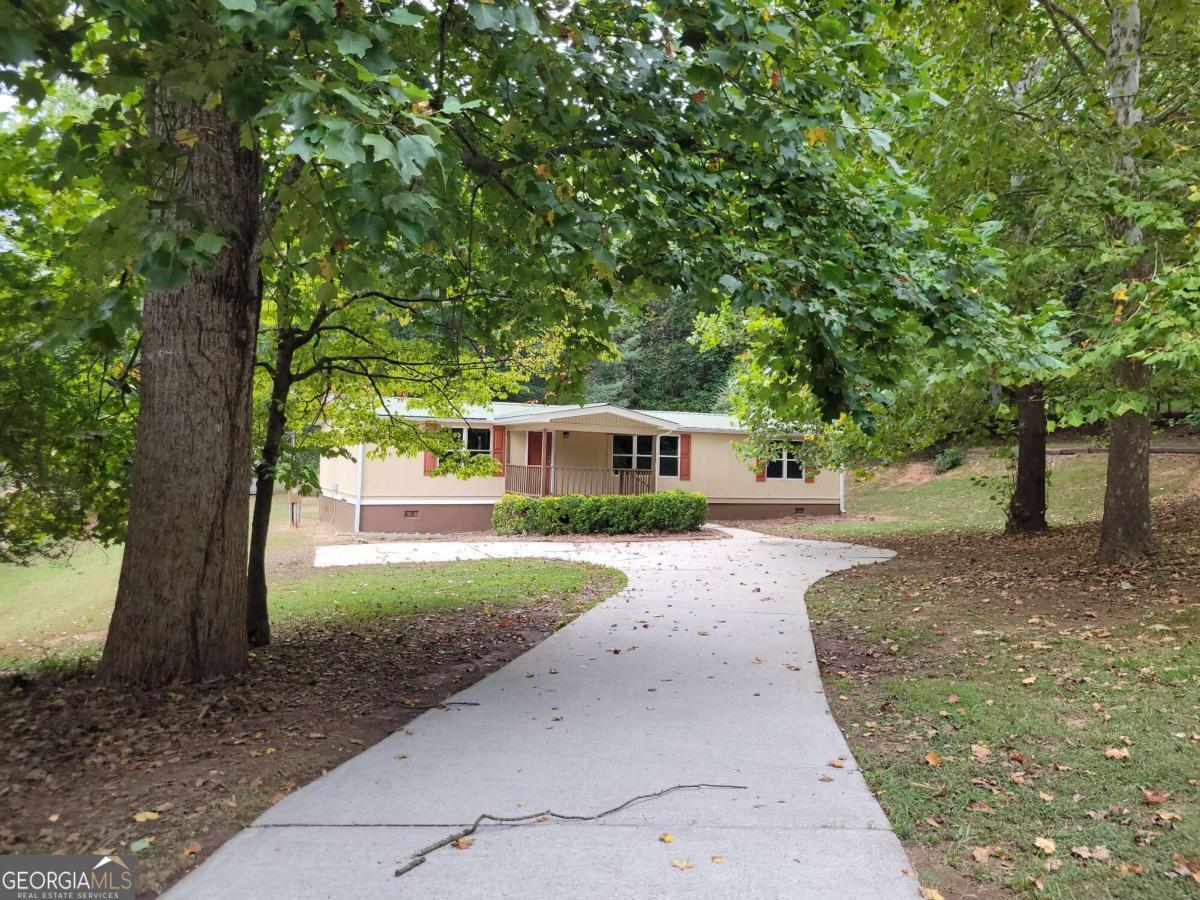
(605, 514)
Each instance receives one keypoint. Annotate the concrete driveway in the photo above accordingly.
(701, 672)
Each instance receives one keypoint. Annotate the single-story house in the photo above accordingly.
(541, 449)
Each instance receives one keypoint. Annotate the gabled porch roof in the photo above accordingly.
(590, 415)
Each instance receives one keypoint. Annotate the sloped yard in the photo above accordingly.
(1030, 721)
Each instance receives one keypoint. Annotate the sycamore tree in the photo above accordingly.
(707, 147)
(1077, 121)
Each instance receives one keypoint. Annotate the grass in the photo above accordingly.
(1042, 770)
(357, 595)
(910, 499)
(990, 686)
(53, 613)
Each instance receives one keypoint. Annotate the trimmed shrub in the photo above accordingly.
(602, 514)
(950, 458)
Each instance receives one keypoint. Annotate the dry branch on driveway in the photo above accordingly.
(419, 857)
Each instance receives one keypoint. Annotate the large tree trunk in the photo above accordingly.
(258, 622)
(1027, 507)
(1125, 534)
(181, 601)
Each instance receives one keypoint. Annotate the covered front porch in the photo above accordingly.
(592, 450)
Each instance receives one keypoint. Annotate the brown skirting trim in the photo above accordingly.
(338, 513)
(718, 510)
(428, 517)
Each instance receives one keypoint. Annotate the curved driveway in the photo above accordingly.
(715, 682)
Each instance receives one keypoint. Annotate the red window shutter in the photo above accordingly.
(498, 448)
(430, 460)
(533, 455)
(760, 471)
(546, 472)
(685, 457)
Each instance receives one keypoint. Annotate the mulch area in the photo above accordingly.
(87, 768)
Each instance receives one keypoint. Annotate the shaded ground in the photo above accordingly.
(173, 773)
(1000, 692)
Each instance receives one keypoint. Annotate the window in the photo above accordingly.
(785, 466)
(633, 451)
(477, 441)
(668, 455)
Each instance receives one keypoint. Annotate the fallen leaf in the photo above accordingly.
(145, 816)
(982, 854)
(1045, 796)
(931, 894)
(1032, 679)
(980, 751)
(1045, 844)
(1052, 865)
(463, 843)
(682, 864)
(1129, 868)
(933, 759)
(952, 699)
(1101, 854)
(1186, 867)
(141, 844)
(980, 806)
(191, 849)
(667, 838)
(718, 859)
(1117, 752)
(1081, 852)
(837, 764)
(1152, 797)
(825, 778)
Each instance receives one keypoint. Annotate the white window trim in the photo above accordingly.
(783, 457)
(677, 456)
(466, 429)
(634, 455)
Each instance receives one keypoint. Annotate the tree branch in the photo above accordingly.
(1075, 21)
(419, 857)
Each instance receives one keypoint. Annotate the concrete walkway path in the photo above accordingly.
(715, 682)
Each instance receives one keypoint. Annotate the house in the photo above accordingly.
(597, 448)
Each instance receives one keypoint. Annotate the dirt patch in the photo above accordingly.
(88, 768)
(915, 473)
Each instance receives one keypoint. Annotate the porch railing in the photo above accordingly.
(541, 481)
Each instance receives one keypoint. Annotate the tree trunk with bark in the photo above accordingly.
(1027, 507)
(258, 622)
(1125, 533)
(181, 601)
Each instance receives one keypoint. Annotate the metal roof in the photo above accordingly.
(501, 412)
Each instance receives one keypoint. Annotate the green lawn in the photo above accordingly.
(373, 592)
(911, 499)
(59, 609)
(1000, 691)
(56, 604)
(1017, 761)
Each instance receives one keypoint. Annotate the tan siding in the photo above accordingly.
(340, 474)
(403, 476)
(720, 474)
(585, 449)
